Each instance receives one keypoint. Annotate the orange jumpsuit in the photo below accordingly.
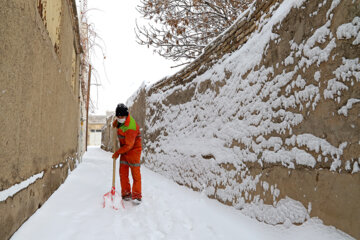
(130, 151)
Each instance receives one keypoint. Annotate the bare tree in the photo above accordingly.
(180, 29)
(90, 41)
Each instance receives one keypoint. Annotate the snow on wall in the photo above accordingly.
(344, 110)
(237, 119)
(350, 30)
(20, 186)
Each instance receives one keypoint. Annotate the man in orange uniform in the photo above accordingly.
(130, 151)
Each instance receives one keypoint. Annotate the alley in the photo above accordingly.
(168, 211)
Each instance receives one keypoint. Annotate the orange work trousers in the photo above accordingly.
(125, 183)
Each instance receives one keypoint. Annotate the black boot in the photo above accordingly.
(126, 197)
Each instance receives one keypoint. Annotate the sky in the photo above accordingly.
(127, 64)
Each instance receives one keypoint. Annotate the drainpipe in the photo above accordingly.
(87, 108)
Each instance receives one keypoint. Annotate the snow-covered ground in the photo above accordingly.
(168, 211)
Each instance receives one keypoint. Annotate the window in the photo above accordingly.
(95, 130)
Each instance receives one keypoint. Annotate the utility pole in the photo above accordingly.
(87, 107)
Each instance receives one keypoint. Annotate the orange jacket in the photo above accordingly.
(130, 140)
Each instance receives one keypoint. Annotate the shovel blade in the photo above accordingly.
(112, 199)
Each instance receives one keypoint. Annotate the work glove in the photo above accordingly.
(115, 123)
(115, 155)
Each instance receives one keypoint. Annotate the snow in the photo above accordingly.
(333, 88)
(20, 186)
(168, 211)
(130, 100)
(347, 72)
(60, 165)
(316, 144)
(289, 60)
(317, 76)
(279, 213)
(350, 30)
(344, 109)
(333, 5)
(356, 167)
(235, 124)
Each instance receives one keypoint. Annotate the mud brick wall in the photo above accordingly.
(39, 106)
(267, 118)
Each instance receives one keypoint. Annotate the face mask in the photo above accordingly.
(121, 121)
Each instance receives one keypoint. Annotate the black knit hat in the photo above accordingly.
(121, 110)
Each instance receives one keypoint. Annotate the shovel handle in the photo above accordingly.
(114, 167)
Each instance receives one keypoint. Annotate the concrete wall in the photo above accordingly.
(254, 158)
(39, 105)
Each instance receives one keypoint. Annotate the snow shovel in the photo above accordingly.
(112, 196)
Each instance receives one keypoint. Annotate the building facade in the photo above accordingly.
(96, 123)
